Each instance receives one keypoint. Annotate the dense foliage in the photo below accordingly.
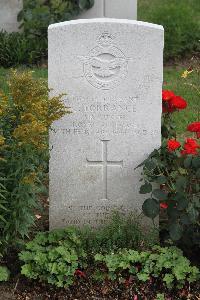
(54, 257)
(4, 273)
(26, 114)
(181, 23)
(59, 256)
(172, 175)
(167, 264)
(17, 49)
(30, 46)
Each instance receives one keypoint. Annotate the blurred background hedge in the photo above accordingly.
(180, 18)
(30, 47)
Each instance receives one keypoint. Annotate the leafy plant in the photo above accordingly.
(165, 264)
(175, 169)
(54, 257)
(160, 297)
(59, 256)
(4, 273)
(26, 115)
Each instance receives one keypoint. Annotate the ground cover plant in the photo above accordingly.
(62, 258)
(58, 256)
(167, 264)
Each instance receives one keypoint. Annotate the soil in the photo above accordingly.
(22, 289)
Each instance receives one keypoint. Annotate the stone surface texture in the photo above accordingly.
(112, 73)
(121, 9)
(9, 10)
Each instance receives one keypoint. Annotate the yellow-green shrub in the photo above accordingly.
(26, 115)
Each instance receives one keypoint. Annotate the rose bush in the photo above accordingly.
(175, 169)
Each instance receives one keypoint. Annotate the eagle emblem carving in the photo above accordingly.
(105, 66)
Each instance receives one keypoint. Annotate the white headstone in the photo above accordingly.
(112, 73)
(9, 10)
(121, 9)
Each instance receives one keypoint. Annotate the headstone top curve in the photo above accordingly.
(105, 20)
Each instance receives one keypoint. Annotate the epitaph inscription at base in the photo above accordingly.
(111, 71)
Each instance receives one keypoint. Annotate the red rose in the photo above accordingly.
(194, 127)
(190, 147)
(167, 95)
(178, 102)
(171, 102)
(163, 205)
(172, 145)
(198, 135)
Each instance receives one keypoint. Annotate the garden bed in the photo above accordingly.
(84, 289)
(94, 258)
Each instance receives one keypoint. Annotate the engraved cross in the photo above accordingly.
(105, 163)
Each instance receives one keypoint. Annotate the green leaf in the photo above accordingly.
(4, 273)
(182, 171)
(86, 4)
(150, 165)
(160, 194)
(196, 162)
(161, 179)
(146, 188)
(196, 201)
(143, 277)
(172, 212)
(181, 200)
(91, 3)
(168, 278)
(185, 220)
(20, 16)
(188, 162)
(193, 213)
(175, 231)
(198, 173)
(181, 183)
(151, 208)
(182, 204)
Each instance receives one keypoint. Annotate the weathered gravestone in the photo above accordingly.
(9, 10)
(111, 71)
(121, 9)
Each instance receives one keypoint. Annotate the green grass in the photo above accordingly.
(181, 21)
(173, 80)
(145, 7)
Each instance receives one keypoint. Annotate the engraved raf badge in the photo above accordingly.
(105, 66)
